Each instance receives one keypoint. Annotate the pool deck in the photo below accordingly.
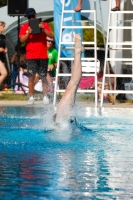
(40, 104)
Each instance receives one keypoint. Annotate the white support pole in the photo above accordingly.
(132, 46)
(95, 55)
(106, 55)
(59, 50)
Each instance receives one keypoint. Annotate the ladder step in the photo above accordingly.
(74, 43)
(122, 11)
(121, 27)
(128, 63)
(81, 91)
(81, 21)
(119, 59)
(118, 91)
(78, 27)
(119, 75)
(68, 59)
(82, 11)
(120, 43)
(98, 48)
(129, 20)
(70, 74)
(121, 48)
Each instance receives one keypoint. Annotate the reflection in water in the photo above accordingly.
(89, 161)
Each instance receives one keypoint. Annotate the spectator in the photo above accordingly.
(117, 8)
(36, 53)
(52, 56)
(52, 62)
(3, 51)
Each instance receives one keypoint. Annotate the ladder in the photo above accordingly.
(70, 45)
(116, 46)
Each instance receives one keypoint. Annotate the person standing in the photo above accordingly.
(36, 53)
(52, 61)
(3, 50)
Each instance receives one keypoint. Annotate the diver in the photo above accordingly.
(66, 104)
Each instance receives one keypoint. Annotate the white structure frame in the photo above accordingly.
(116, 46)
(88, 59)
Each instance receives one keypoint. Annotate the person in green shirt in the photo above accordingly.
(52, 57)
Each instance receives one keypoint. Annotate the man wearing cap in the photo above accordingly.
(36, 53)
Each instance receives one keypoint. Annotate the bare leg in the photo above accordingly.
(31, 85)
(117, 8)
(3, 72)
(45, 88)
(36, 79)
(79, 6)
(47, 84)
(68, 99)
(118, 3)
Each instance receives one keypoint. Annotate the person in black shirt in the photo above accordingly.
(3, 50)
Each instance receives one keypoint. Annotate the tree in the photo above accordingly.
(3, 3)
(88, 35)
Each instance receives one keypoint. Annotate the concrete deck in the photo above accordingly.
(40, 104)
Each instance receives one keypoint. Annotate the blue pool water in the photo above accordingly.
(91, 160)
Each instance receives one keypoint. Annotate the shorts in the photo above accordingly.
(37, 66)
(2, 57)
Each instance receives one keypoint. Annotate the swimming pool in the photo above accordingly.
(93, 160)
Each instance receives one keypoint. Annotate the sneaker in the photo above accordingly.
(31, 100)
(45, 100)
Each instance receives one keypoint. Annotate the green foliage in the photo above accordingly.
(3, 3)
(16, 97)
(85, 98)
(88, 35)
(51, 24)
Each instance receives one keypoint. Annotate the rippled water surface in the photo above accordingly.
(90, 160)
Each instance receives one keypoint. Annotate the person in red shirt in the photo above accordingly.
(36, 53)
